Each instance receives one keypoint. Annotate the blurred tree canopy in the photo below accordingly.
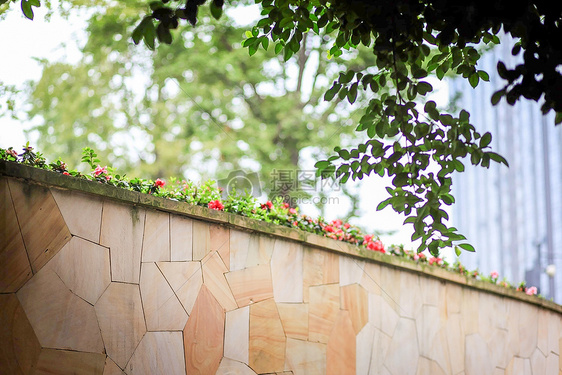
(417, 145)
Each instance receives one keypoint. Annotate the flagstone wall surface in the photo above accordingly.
(121, 283)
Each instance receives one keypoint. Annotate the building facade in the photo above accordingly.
(513, 216)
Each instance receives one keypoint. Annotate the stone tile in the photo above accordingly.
(454, 296)
(81, 212)
(499, 351)
(477, 359)
(237, 334)
(351, 270)
(432, 291)
(181, 238)
(185, 278)
(403, 358)
(213, 277)
(203, 335)
(230, 367)
(16, 269)
(294, 317)
(388, 315)
(111, 368)
(410, 298)
(552, 362)
(440, 351)
(287, 272)
(341, 354)
(381, 344)
(63, 362)
(455, 342)
(390, 285)
(240, 243)
(260, 250)
(427, 327)
(319, 267)
(19, 347)
(519, 366)
(42, 226)
(427, 366)
(323, 311)
(513, 309)
(122, 231)
(60, 319)
(267, 338)
(305, 358)
(201, 239)
(220, 242)
(250, 285)
(554, 332)
(538, 363)
(156, 240)
(528, 328)
(469, 308)
(162, 309)
(158, 353)
(83, 267)
(355, 299)
(371, 278)
(542, 333)
(121, 320)
(364, 348)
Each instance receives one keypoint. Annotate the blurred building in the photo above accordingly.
(513, 216)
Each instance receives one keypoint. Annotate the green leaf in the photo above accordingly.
(216, 11)
(467, 247)
(457, 251)
(498, 158)
(278, 48)
(485, 140)
(497, 96)
(149, 34)
(424, 88)
(352, 94)
(265, 43)
(474, 79)
(383, 204)
(26, 7)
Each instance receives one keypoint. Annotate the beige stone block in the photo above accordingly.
(294, 317)
(440, 351)
(185, 278)
(305, 358)
(477, 359)
(364, 348)
(319, 267)
(121, 320)
(267, 338)
(402, 355)
(454, 298)
(122, 230)
(519, 366)
(63, 362)
(287, 272)
(388, 315)
(513, 309)
(201, 239)
(237, 335)
(390, 285)
(552, 362)
(427, 366)
(455, 342)
(203, 335)
(554, 332)
(260, 251)
(538, 363)
(83, 267)
(240, 243)
(528, 329)
(213, 277)
(42, 226)
(470, 311)
(19, 347)
(231, 367)
(111, 368)
(16, 269)
(159, 353)
(427, 325)
(371, 278)
(355, 299)
(220, 242)
(381, 345)
(542, 331)
(250, 285)
(341, 351)
(81, 212)
(60, 319)
(323, 310)
(162, 309)
(181, 238)
(410, 297)
(499, 351)
(432, 291)
(156, 240)
(351, 270)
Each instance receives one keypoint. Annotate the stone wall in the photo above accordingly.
(98, 280)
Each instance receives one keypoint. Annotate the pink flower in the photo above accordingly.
(267, 205)
(368, 238)
(285, 205)
(531, 291)
(494, 274)
(337, 223)
(99, 170)
(439, 261)
(376, 246)
(295, 223)
(12, 152)
(159, 183)
(292, 211)
(329, 228)
(346, 225)
(216, 205)
(416, 257)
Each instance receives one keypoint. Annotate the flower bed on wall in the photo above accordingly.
(274, 211)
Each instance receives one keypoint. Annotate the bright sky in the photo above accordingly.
(59, 39)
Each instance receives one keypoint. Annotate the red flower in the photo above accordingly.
(337, 223)
(368, 238)
(295, 223)
(285, 205)
(267, 205)
(216, 205)
(292, 211)
(346, 225)
(66, 173)
(329, 228)
(99, 170)
(376, 246)
(439, 261)
(159, 183)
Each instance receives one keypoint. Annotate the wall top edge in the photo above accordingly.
(57, 180)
